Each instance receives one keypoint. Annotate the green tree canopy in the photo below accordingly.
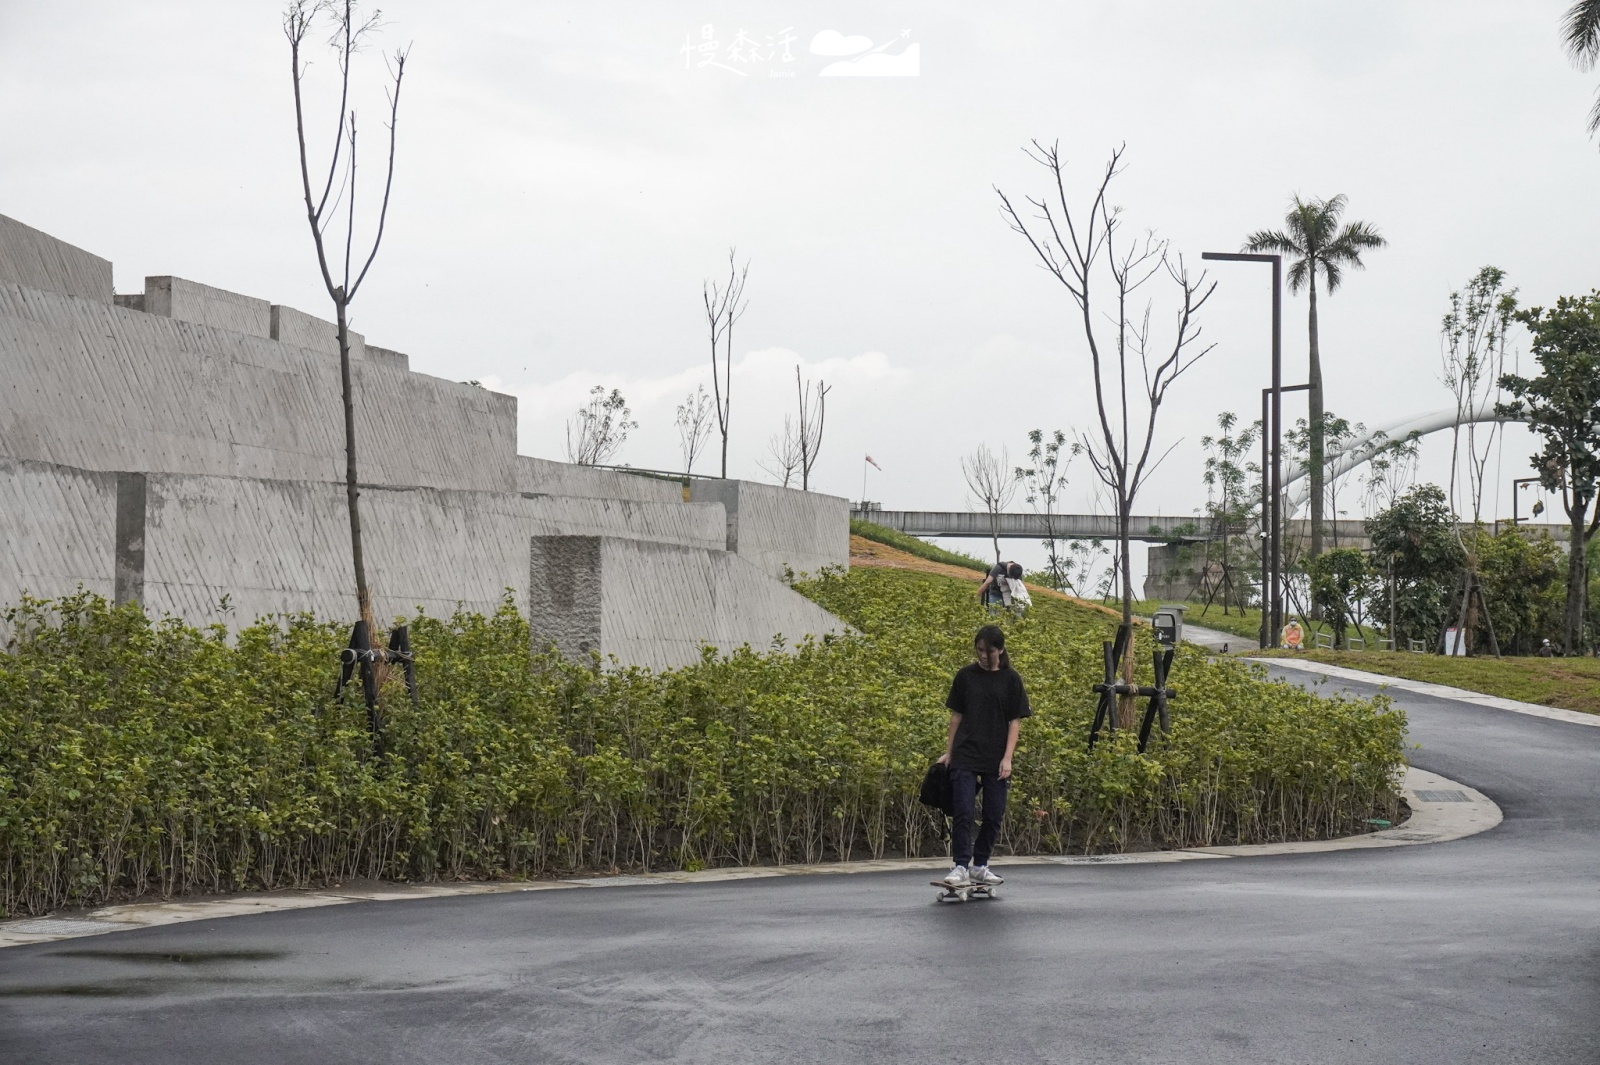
(1414, 544)
(1562, 405)
(1521, 584)
(1339, 583)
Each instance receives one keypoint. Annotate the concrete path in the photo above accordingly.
(1477, 950)
(1216, 639)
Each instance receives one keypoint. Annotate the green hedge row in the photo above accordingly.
(153, 757)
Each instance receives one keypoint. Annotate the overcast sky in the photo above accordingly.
(569, 173)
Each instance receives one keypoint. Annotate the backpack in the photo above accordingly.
(936, 789)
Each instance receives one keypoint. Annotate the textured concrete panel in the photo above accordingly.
(231, 550)
(129, 541)
(279, 547)
(57, 529)
(399, 360)
(299, 329)
(779, 527)
(660, 604)
(190, 301)
(564, 601)
(34, 258)
(548, 477)
(103, 387)
(684, 524)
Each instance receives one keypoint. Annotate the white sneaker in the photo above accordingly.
(982, 874)
(958, 877)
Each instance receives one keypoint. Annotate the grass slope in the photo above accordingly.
(1567, 683)
(912, 546)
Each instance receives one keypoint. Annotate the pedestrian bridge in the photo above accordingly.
(1159, 529)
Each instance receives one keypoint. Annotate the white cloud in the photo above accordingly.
(908, 64)
(832, 42)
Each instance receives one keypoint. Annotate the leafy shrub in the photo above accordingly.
(912, 545)
(140, 756)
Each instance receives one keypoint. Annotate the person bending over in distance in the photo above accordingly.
(995, 591)
(987, 704)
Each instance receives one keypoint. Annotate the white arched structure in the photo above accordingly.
(1374, 442)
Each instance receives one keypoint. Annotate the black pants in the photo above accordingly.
(964, 788)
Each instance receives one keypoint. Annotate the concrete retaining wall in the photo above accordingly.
(183, 447)
(657, 605)
(565, 479)
(101, 387)
(36, 259)
(776, 527)
(190, 301)
(181, 543)
(58, 527)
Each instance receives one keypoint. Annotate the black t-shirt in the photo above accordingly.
(988, 703)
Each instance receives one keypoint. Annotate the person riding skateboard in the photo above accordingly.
(987, 703)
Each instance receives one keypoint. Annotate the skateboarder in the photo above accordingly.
(987, 704)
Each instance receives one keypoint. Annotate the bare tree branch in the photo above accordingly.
(1073, 246)
(993, 485)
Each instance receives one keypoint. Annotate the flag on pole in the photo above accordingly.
(874, 464)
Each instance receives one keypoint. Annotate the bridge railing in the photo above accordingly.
(975, 525)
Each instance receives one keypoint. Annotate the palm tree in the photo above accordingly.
(1314, 235)
(1581, 28)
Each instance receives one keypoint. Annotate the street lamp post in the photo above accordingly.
(1272, 473)
(1516, 497)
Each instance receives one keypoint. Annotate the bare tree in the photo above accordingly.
(1473, 333)
(1073, 251)
(1391, 470)
(336, 253)
(1078, 251)
(783, 450)
(725, 305)
(813, 416)
(694, 425)
(599, 429)
(992, 484)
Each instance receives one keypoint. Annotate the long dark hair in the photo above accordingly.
(993, 636)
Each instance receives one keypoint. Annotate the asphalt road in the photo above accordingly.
(1481, 950)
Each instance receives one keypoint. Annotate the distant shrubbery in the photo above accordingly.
(153, 757)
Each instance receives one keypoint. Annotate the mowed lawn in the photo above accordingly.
(1568, 683)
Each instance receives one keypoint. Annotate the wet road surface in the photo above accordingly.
(1485, 949)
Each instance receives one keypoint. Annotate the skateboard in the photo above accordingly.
(962, 894)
